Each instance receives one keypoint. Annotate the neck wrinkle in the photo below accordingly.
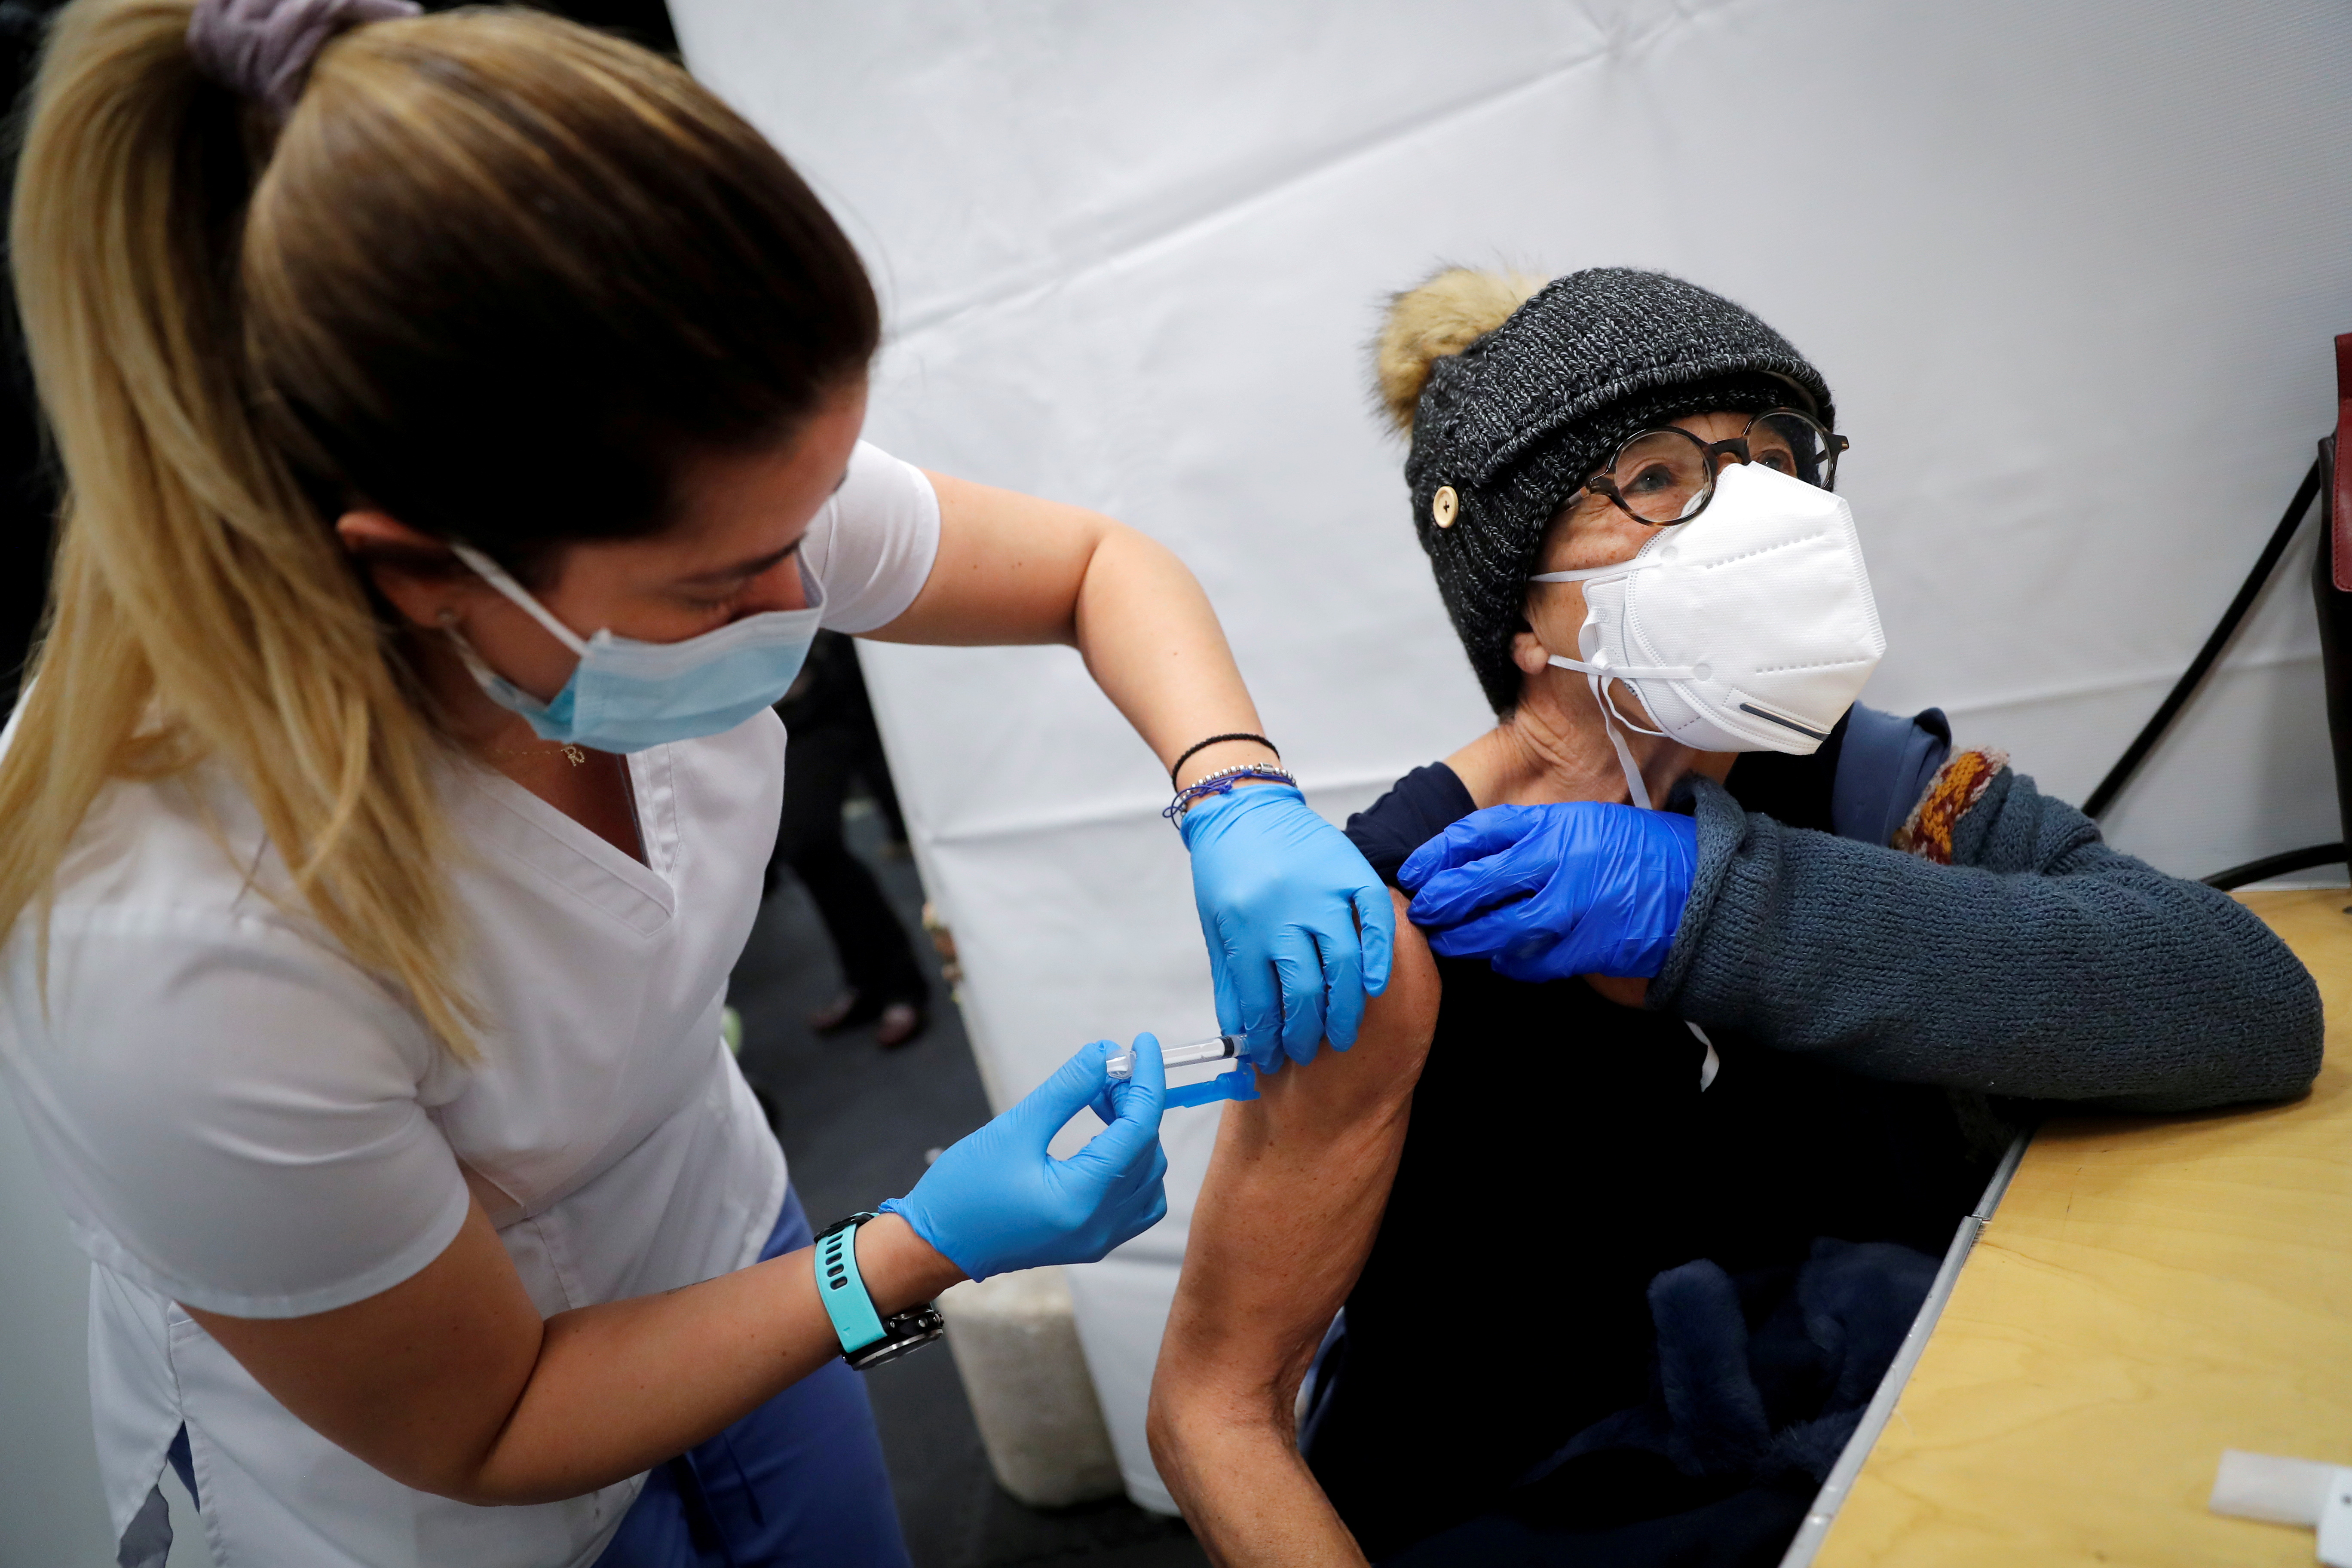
(1554, 747)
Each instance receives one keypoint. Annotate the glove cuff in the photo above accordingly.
(1229, 800)
(915, 1222)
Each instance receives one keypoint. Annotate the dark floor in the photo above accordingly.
(856, 1123)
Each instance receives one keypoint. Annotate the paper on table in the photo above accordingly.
(2289, 1491)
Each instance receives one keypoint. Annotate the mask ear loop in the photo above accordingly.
(490, 571)
(1598, 676)
(1599, 673)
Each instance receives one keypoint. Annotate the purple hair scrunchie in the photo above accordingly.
(263, 48)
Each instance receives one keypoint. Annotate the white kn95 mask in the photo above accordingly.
(1749, 628)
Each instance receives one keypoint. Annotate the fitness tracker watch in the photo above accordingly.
(868, 1339)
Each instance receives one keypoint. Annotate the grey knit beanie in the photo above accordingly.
(1512, 408)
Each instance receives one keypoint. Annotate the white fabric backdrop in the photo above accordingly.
(2071, 272)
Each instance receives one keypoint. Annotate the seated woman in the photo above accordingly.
(1631, 1199)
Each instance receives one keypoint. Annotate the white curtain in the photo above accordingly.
(2071, 272)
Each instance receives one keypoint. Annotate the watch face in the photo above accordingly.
(903, 1335)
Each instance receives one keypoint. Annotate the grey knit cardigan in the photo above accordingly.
(2039, 964)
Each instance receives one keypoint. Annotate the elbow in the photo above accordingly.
(1164, 1433)
(472, 1487)
(2275, 1045)
(2274, 1018)
(488, 1483)
(1201, 1429)
(482, 1491)
(1177, 1423)
(2302, 1049)
(1171, 1426)
(2283, 1044)
(2281, 1031)
(478, 1485)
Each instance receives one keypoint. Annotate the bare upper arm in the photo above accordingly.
(418, 1380)
(1008, 570)
(1293, 1198)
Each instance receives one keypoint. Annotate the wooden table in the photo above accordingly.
(2149, 1293)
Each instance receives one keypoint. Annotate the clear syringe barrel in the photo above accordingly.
(1215, 1048)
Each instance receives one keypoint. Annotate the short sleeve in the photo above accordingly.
(231, 1114)
(1417, 808)
(873, 544)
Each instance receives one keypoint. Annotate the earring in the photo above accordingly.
(446, 618)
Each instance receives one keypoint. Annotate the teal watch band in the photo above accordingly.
(843, 1292)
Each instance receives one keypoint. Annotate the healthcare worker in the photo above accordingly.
(460, 418)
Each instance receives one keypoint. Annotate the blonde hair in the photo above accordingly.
(239, 328)
(1435, 319)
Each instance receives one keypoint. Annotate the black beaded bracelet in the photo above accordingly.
(1177, 766)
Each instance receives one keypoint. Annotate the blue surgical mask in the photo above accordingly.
(626, 696)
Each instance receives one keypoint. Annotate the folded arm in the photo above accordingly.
(2041, 963)
(1284, 1221)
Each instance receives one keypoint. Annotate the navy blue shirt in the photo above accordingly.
(1562, 1154)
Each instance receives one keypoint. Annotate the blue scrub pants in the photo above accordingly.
(798, 1483)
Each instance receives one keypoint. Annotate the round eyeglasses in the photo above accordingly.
(1667, 476)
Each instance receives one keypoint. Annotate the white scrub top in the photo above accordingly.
(238, 1117)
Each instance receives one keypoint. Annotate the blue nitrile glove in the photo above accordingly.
(1299, 930)
(996, 1201)
(1544, 892)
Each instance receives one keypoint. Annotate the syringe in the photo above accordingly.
(1215, 1048)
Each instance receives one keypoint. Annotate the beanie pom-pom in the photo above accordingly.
(1440, 319)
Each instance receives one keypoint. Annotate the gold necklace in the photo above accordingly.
(571, 752)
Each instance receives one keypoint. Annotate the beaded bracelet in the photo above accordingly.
(1198, 746)
(1222, 782)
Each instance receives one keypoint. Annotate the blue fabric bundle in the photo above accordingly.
(1757, 1382)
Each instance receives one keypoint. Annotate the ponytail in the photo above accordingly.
(200, 608)
(237, 329)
